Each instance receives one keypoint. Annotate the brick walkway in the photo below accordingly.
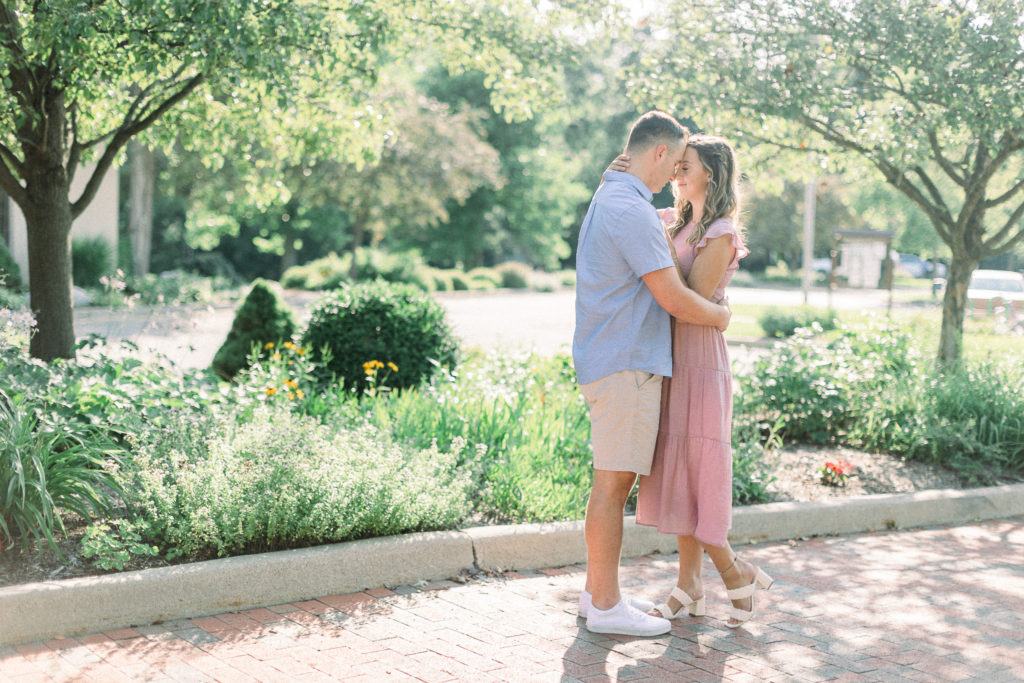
(932, 604)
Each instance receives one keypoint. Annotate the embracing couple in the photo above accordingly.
(653, 365)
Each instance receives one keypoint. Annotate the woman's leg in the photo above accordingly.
(691, 556)
(735, 572)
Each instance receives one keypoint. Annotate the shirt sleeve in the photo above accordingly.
(642, 240)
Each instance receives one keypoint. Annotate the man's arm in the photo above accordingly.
(682, 303)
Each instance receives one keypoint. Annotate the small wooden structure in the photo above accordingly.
(861, 258)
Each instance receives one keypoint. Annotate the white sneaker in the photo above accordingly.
(587, 600)
(626, 620)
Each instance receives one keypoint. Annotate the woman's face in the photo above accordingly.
(691, 180)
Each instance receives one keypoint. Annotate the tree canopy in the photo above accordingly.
(83, 77)
(927, 92)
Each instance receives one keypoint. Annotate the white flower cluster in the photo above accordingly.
(15, 327)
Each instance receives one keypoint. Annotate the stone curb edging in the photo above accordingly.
(40, 611)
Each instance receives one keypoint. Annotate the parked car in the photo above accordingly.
(822, 265)
(989, 289)
(915, 266)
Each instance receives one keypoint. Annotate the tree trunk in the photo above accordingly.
(290, 258)
(358, 232)
(48, 216)
(954, 305)
(140, 205)
(48, 224)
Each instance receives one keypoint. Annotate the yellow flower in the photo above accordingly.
(291, 395)
(371, 366)
(271, 391)
(394, 368)
(291, 383)
(300, 351)
(276, 356)
(288, 345)
(299, 393)
(268, 345)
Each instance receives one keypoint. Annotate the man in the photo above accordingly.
(627, 286)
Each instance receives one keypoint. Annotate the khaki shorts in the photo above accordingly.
(624, 411)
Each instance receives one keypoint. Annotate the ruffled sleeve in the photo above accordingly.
(725, 226)
(668, 216)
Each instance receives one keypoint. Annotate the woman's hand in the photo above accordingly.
(724, 325)
(619, 163)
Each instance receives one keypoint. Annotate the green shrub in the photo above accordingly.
(482, 284)
(404, 267)
(111, 545)
(47, 470)
(10, 273)
(12, 300)
(528, 426)
(567, 278)
(213, 487)
(490, 275)
(382, 322)
(814, 389)
(460, 281)
(422, 277)
(213, 264)
(514, 275)
(544, 282)
(752, 445)
(442, 280)
(976, 423)
(91, 259)
(263, 318)
(742, 278)
(777, 323)
(174, 287)
(323, 273)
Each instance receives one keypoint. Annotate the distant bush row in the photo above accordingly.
(408, 267)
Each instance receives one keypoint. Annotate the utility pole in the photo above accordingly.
(810, 199)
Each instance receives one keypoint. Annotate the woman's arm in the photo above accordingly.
(710, 264)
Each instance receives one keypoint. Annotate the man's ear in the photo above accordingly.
(660, 151)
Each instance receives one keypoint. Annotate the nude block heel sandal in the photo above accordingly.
(696, 607)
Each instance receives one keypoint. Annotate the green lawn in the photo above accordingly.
(984, 338)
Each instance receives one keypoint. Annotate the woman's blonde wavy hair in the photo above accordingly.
(723, 196)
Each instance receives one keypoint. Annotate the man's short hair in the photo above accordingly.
(655, 128)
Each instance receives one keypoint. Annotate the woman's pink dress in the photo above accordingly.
(689, 489)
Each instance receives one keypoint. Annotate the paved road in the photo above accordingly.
(935, 604)
(540, 322)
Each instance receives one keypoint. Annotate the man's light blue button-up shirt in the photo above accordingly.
(619, 325)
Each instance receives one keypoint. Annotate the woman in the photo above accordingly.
(689, 490)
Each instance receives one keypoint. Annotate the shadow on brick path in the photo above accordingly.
(940, 604)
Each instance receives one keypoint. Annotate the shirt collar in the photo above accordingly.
(631, 180)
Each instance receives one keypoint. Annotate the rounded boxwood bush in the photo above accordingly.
(384, 322)
(485, 275)
(515, 275)
(263, 318)
(91, 259)
(782, 324)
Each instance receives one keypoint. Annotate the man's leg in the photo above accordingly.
(604, 534)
